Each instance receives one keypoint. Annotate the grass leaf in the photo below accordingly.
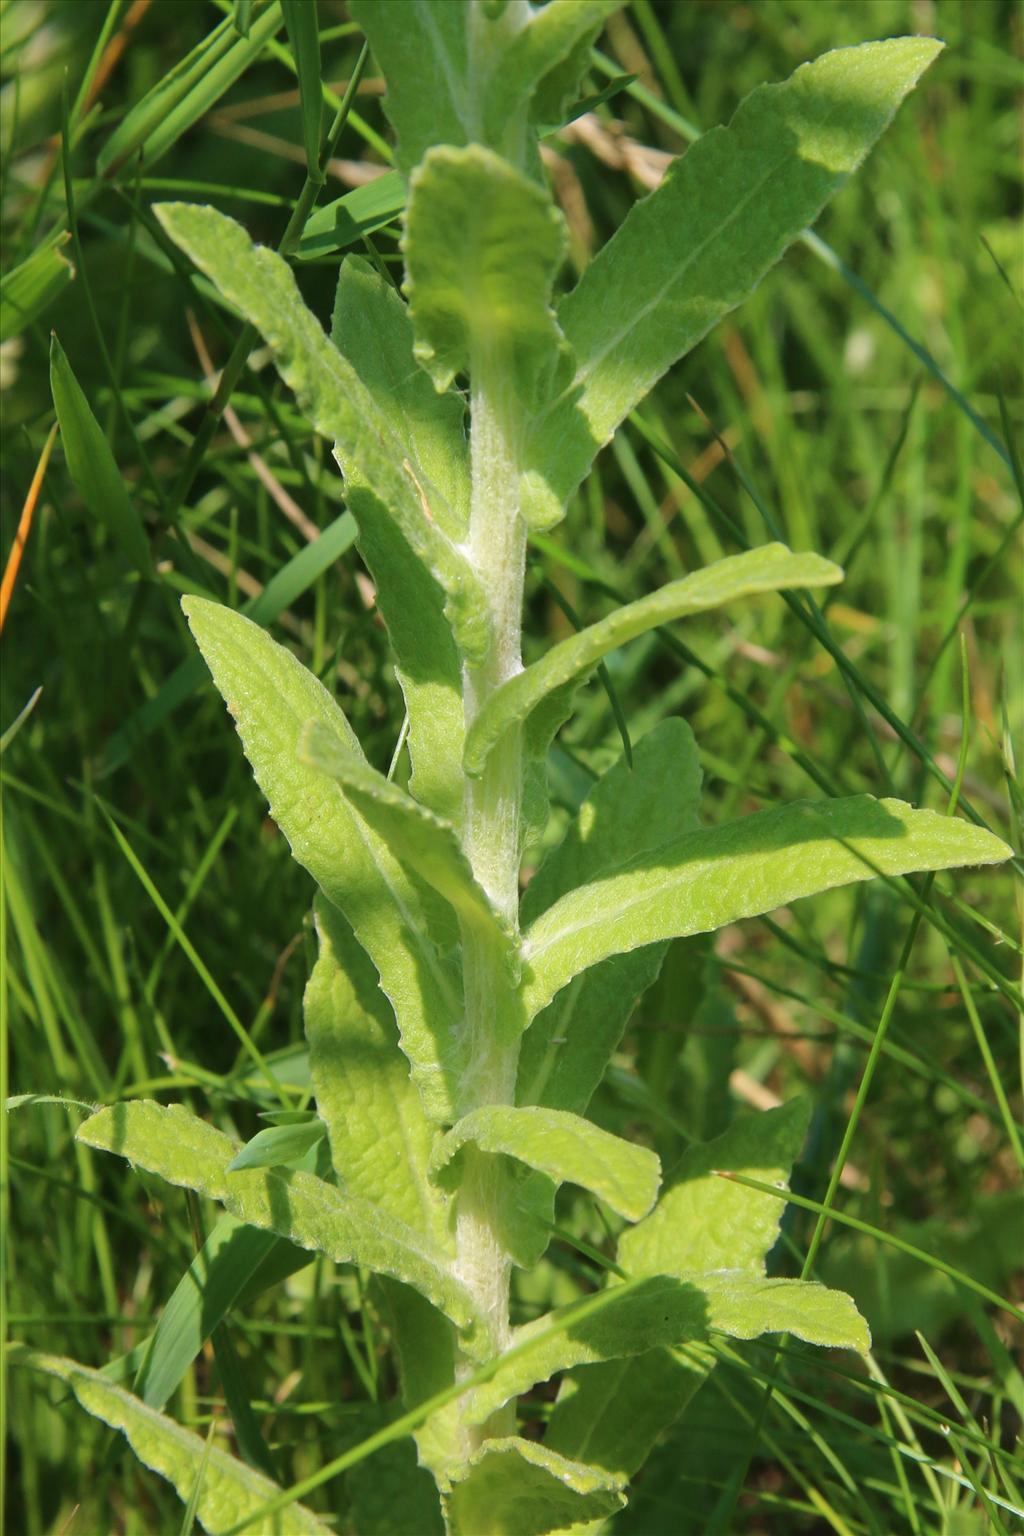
(91, 464)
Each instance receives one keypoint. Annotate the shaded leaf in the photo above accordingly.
(698, 246)
(272, 697)
(307, 1211)
(91, 464)
(28, 290)
(708, 878)
(381, 1140)
(514, 1487)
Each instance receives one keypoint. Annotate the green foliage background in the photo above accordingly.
(846, 441)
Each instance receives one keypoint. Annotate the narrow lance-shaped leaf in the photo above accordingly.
(338, 225)
(235, 1263)
(416, 837)
(381, 1140)
(772, 568)
(629, 809)
(491, 68)
(272, 698)
(372, 328)
(28, 290)
(91, 464)
(184, 95)
(514, 1487)
(708, 878)
(186, 1151)
(485, 296)
(698, 246)
(279, 1145)
(303, 29)
(665, 1311)
(567, 1148)
(228, 1489)
(261, 285)
(613, 1413)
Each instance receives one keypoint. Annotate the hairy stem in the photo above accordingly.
(497, 548)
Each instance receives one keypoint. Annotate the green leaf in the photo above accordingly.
(260, 284)
(698, 246)
(566, 1147)
(623, 1320)
(514, 1487)
(235, 1263)
(417, 838)
(490, 71)
(702, 1222)
(28, 290)
(613, 1414)
(708, 878)
(184, 95)
(665, 1311)
(485, 296)
(392, 1495)
(745, 1307)
(373, 329)
(360, 212)
(279, 1145)
(772, 568)
(272, 697)
(381, 1141)
(91, 464)
(307, 1211)
(229, 1490)
(303, 30)
(567, 1048)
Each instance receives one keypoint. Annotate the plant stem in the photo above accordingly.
(497, 549)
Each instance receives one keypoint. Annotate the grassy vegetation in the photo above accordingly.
(156, 931)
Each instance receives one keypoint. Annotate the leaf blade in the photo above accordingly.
(260, 284)
(739, 196)
(772, 568)
(567, 1148)
(719, 875)
(489, 294)
(188, 1152)
(229, 1489)
(272, 697)
(91, 464)
(514, 1487)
